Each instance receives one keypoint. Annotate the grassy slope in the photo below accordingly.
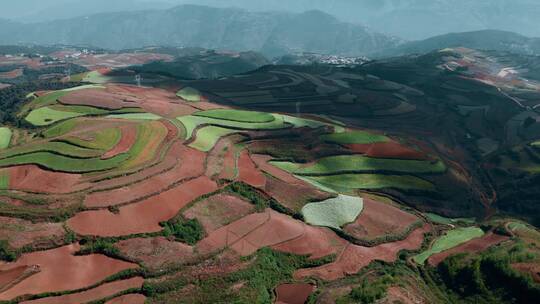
(451, 239)
(354, 163)
(192, 122)
(189, 94)
(355, 137)
(5, 137)
(61, 148)
(64, 164)
(349, 182)
(207, 137)
(334, 212)
(237, 115)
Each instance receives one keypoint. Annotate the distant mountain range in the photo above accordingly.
(480, 40)
(272, 33)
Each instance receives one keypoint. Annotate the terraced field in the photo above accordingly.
(291, 184)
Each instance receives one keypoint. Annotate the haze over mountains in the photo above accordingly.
(409, 19)
(273, 33)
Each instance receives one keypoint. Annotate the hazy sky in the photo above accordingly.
(409, 19)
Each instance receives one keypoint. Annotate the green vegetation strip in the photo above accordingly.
(350, 182)
(65, 164)
(192, 122)
(450, 240)
(357, 163)
(207, 137)
(60, 148)
(4, 180)
(237, 115)
(354, 137)
(189, 94)
(60, 129)
(136, 116)
(5, 137)
(334, 212)
(448, 221)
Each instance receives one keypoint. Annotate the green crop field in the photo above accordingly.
(60, 148)
(207, 137)
(65, 164)
(46, 116)
(356, 163)
(189, 94)
(350, 182)
(450, 240)
(237, 115)
(536, 144)
(96, 77)
(298, 122)
(191, 122)
(103, 139)
(4, 180)
(448, 221)
(334, 212)
(60, 129)
(5, 137)
(52, 97)
(136, 116)
(354, 137)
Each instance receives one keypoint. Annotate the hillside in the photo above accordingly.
(272, 33)
(482, 40)
(411, 179)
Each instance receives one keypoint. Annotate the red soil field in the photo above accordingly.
(20, 233)
(248, 172)
(103, 291)
(31, 178)
(11, 74)
(289, 191)
(354, 257)
(472, 246)
(129, 136)
(191, 164)
(60, 270)
(390, 149)
(293, 293)
(156, 253)
(10, 277)
(128, 299)
(214, 160)
(378, 219)
(144, 216)
(253, 232)
(293, 196)
(218, 210)
(530, 268)
(316, 242)
(100, 98)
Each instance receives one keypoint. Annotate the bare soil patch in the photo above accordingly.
(293, 293)
(20, 233)
(60, 270)
(94, 294)
(156, 253)
(32, 178)
(354, 257)
(218, 210)
(379, 219)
